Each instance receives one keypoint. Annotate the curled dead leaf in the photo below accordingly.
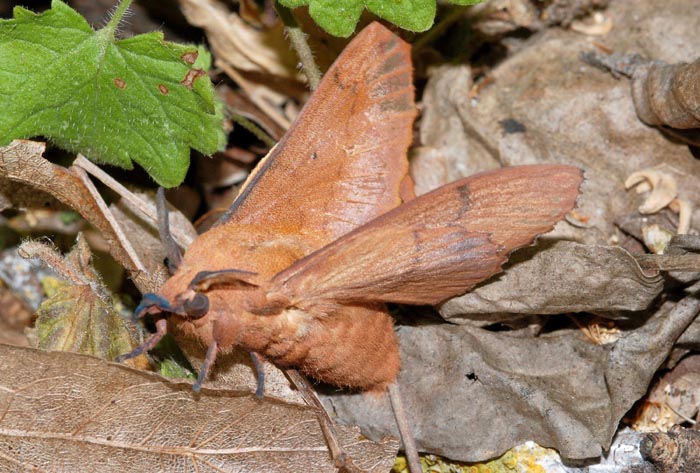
(685, 212)
(596, 25)
(661, 186)
(668, 94)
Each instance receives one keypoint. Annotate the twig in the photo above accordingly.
(327, 425)
(409, 443)
(300, 45)
(116, 228)
(251, 127)
(149, 213)
(172, 252)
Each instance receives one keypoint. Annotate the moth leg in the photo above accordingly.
(161, 330)
(172, 252)
(260, 372)
(409, 443)
(206, 366)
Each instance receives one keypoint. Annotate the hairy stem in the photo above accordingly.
(117, 16)
(300, 45)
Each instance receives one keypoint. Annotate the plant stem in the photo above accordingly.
(252, 127)
(455, 13)
(117, 16)
(300, 45)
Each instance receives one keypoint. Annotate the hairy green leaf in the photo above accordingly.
(138, 99)
(79, 314)
(340, 18)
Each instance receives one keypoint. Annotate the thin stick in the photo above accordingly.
(327, 425)
(166, 238)
(300, 45)
(409, 443)
(251, 127)
(150, 214)
(116, 228)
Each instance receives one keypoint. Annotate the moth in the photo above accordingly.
(326, 232)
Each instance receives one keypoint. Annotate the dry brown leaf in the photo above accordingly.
(22, 162)
(559, 277)
(473, 393)
(240, 45)
(67, 412)
(446, 137)
(570, 113)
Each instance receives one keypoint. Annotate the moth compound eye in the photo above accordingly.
(197, 307)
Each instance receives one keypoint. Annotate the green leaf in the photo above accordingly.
(138, 99)
(172, 369)
(413, 15)
(340, 18)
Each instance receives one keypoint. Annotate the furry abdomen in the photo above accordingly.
(354, 347)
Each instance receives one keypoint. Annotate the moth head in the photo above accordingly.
(194, 305)
(193, 302)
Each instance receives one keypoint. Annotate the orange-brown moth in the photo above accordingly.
(324, 233)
